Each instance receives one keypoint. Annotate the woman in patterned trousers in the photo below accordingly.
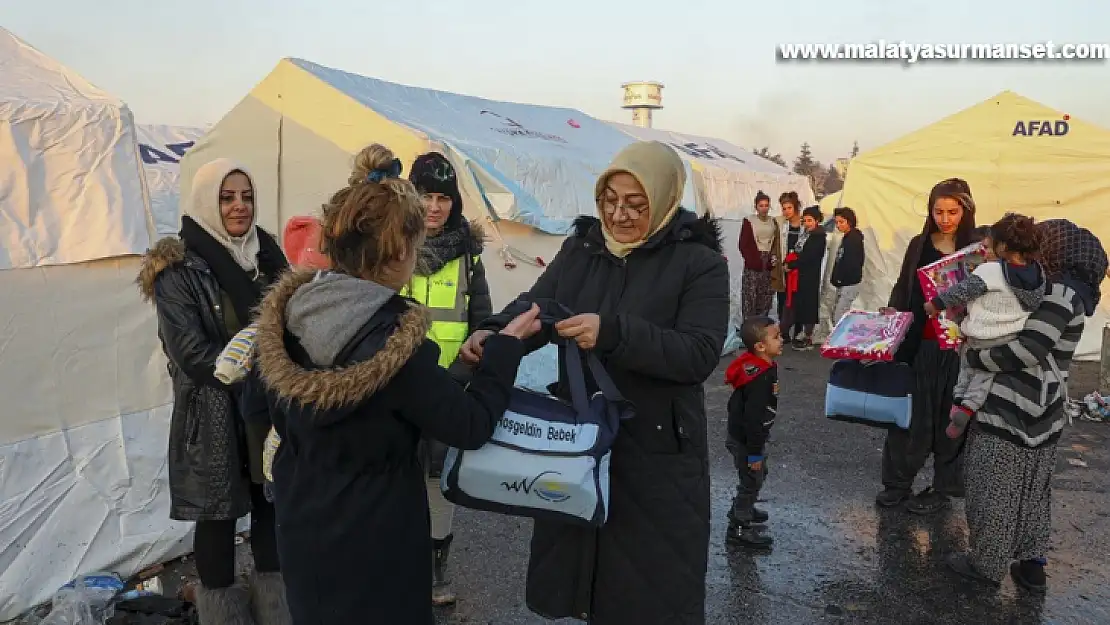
(1011, 450)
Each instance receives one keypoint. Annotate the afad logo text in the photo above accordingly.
(1042, 127)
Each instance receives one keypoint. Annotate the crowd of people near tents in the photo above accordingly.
(384, 348)
(784, 259)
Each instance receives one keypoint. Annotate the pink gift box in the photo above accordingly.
(861, 335)
(938, 277)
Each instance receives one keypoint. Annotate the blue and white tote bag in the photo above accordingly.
(548, 459)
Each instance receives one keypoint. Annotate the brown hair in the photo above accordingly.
(369, 224)
(1018, 233)
(848, 214)
(954, 189)
(792, 197)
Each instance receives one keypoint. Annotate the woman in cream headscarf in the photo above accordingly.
(650, 283)
(204, 284)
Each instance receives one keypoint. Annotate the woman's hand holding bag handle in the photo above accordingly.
(548, 459)
(525, 325)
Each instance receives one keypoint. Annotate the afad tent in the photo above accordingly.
(86, 400)
(1017, 155)
(161, 148)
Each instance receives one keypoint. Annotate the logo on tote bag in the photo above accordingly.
(546, 490)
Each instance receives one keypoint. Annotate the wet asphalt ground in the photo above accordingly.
(837, 558)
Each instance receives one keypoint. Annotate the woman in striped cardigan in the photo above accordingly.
(1011, 450)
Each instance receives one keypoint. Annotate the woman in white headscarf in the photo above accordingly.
(204, 284)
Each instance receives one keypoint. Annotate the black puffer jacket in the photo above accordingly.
(664, 316)
(352, 507)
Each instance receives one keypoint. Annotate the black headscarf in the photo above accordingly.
(1075, 257)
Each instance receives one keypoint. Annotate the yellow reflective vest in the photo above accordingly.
(445, 295)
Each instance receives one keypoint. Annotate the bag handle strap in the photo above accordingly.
(576, 379)
(552, 312)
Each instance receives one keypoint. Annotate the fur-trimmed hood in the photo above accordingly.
(330, 394)
(686, 227)
(166, 252)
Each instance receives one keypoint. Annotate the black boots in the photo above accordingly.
(1030, 575)
(442, 595)
(745, 524)
(891, 497)
(750, 536)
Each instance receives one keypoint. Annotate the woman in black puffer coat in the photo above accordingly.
(650, 285)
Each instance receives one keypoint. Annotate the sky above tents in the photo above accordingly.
(188, 66)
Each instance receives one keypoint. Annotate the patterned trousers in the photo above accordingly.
(756, 292)
(1008, 502)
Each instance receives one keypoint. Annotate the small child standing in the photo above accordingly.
(751, 413)
(999, 295)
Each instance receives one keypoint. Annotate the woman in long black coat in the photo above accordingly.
(204, 285)
(651, 288)
(803, 278)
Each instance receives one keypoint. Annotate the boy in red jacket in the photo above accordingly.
(751, 413)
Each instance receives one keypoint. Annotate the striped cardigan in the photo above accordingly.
(1025, 404)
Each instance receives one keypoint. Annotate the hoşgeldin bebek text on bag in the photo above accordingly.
(548, 458)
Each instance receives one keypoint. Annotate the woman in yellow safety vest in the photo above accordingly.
(451, 282)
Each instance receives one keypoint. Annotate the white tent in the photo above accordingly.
(56, 126)
(161, 148)
(86, 402)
